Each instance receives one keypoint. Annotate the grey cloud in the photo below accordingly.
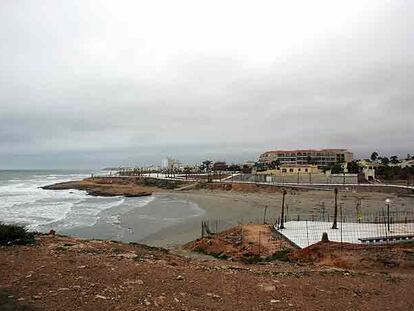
(79, 90)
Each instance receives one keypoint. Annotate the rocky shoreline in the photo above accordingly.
(105, 187)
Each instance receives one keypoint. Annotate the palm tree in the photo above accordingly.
(385, 161)
(374, 156)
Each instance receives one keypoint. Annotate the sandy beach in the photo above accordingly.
(222, 209)
(173, 218)
(230, 208)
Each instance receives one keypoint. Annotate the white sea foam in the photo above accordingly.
(22, 201)
(86, 213)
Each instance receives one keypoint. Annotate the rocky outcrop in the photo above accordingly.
(98, 187)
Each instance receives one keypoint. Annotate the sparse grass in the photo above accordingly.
(202, 250)
(15, 235)
(8, 304)
(117, 251)
(282, 255)
(150, 248)
(249, 258)
(60, 248)
(90, 251)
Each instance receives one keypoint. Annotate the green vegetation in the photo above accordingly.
(389, 168)
(160, 183)
(395, 172)
(206, 165)
(336, 168)
(354, 168)
(15, 234)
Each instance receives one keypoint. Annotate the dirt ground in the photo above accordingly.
(61, 273)
(241, 243)
(385, 258)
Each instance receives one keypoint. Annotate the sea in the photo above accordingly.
(73, 212)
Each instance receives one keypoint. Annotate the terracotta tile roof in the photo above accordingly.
(306, 150)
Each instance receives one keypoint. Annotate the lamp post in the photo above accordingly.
(387, 203)
(335, 222)
(282, 220)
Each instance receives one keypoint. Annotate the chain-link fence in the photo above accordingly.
(382, 228)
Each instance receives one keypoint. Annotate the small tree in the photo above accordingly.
(374, 156)
(394, 159)
(353, 167)
(246, 169)
(206, 165)
(272, 165)
(15, 234)
(277, 163)
(260, 166)
(234, 167)
(336, 168)
(385, 161)
(187, 171)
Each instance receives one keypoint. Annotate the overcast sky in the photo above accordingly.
(87, 84)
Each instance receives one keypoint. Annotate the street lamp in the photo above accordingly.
(387, 203)
(335, 222)
(282, 220)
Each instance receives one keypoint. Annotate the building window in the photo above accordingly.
(298, 169)
(291, 170)
(283, 170)
(306, 170)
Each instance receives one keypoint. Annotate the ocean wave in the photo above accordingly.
(22, 201)
(83, 213)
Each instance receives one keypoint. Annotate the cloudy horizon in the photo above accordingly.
(90, 84)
